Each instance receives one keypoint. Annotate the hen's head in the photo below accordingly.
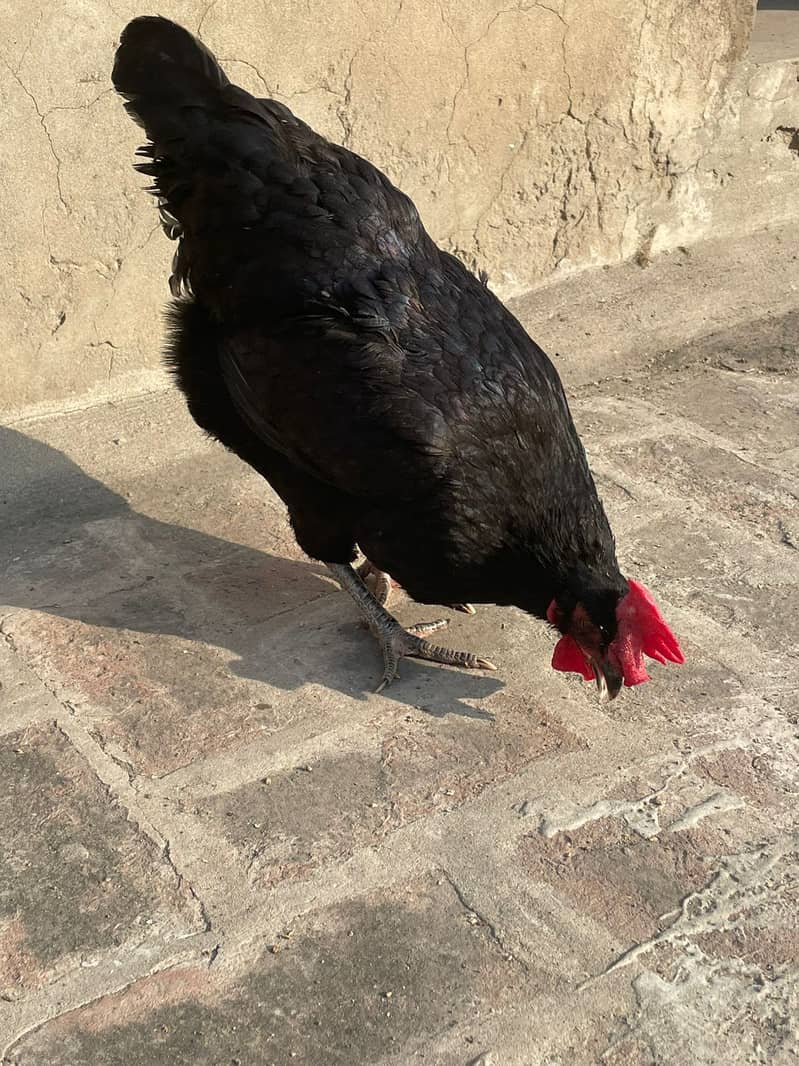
(607, 633)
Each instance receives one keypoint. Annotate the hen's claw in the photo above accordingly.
(395, 642)
(398, 643)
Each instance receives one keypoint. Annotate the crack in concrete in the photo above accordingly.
(183, 884)
(27, 47)
(466, 49)
(206, 12)
(519, 151)
(342, 112)
(495, 933)
(79, 107)
(250, 66)
(466, 71)
(42, 117)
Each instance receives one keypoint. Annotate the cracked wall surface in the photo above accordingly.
(534, 137)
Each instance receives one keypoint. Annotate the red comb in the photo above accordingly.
(643, 626)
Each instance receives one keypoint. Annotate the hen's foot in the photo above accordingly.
(396, 642)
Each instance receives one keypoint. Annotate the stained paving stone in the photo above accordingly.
(623, 881)
(756, 411)
(388, 971)
(206, 681)
(161, 701)
(699, 891)
(735, 578)
(78, 879)
(723, 483)
(288, 824)
(748, 773)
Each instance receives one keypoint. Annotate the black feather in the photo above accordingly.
(382, 389)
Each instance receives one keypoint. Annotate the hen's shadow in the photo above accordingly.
(76, 549)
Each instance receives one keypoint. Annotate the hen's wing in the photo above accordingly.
(402, 376)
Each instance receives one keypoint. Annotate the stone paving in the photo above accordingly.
(219, 849)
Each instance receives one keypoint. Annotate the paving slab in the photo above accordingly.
(346, 987)
(219, 846)
(79, 879)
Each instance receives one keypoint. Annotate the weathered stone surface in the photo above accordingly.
(616, 882)
(382, 973)
(754, 409)
(741, 581)
(78, 879)
(709, 475)
(620, 879)
(292, 821)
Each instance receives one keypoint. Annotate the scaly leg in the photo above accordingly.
(396, 642)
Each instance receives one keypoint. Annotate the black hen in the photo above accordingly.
(382, 390)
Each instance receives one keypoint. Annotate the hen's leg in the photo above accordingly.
(381, 585)
(396, 642)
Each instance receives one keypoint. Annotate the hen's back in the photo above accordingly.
(269, 214)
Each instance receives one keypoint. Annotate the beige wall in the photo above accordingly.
(533, 137)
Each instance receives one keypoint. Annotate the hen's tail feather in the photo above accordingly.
(174, 88)
(159, 67)
(221, 160)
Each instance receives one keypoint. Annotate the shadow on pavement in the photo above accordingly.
(74, 548)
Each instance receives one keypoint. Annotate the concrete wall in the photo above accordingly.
(534, 137)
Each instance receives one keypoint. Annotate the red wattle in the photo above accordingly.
(568, 657)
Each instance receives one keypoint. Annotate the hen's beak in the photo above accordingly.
(608, 679)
